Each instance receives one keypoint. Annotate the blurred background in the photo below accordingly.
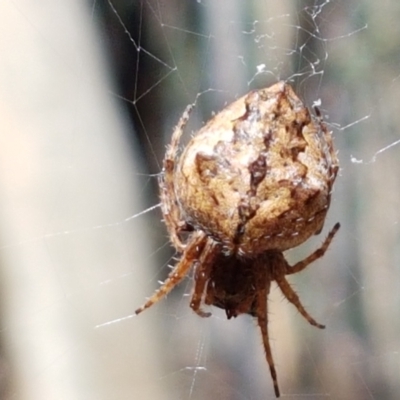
(89, 94)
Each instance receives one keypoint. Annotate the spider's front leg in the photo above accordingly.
(202, 275)
(192, 252)
(169, 203)
(285, 287)
(315, 255)
(293, 297)
(260, 311)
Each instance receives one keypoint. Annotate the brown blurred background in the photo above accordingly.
(89, 94)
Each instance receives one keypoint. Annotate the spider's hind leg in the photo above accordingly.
(169, 204)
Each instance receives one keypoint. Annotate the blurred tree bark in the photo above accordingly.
(66, 167)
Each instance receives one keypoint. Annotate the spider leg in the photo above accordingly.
(202, 275)
(261, 312)
(191, 252)
(314, 256)
(169, 204)
(292, 296)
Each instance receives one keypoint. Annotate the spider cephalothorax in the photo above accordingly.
(255, 181)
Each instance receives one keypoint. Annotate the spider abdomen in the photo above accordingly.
(258, 176)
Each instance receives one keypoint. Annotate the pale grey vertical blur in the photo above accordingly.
(68, 182)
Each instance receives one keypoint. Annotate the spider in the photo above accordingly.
(255, 181)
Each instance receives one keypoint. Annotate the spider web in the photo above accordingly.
(89, 95)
